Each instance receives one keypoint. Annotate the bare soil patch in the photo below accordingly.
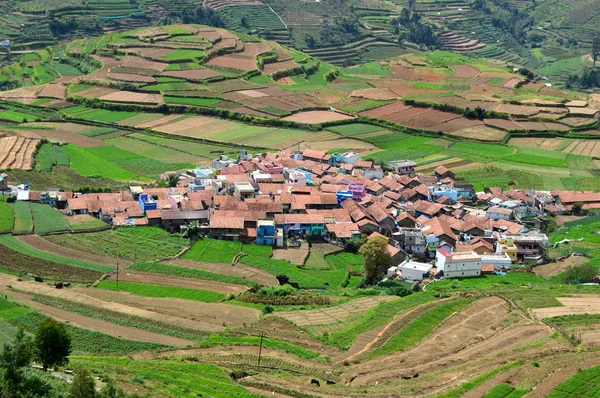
(380, 94)
(572, 306)
(316, 117)
(481, 132)
(132, 97)
(53, 91)
(346, 143)
(130, 77)
(137, 62)
(464, 71)
(235, 61)
(60, 135)
(269, 69)
(503, 124)
(561, 219)
(548, 270)
(295, 256)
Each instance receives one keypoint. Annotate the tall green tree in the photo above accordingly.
(52, 344)
(14, 358)
(595, 49)
(377, 258)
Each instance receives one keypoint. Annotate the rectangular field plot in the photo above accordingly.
(48, 219)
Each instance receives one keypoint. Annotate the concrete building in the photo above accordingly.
(403, 166)
(498, 261)
(414, 271)
(3, 182)
(267, 234)
(243, 190)
(499, 213)
(458, 265)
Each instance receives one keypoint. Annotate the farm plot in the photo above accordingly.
(137, 62)
(14, 262)
(156, 151)
(17, 152)
(316, 117)
(87, 164)
(158, 291)
(57, 91)
(238, 270)
(132, 244)
(130, 77)
(86, 222)
(192, 74)
(63, 136)
(213, 251)
(46, 219)
(337, 314)
(7, 218)
(584, 383)
(23, 218)
(132, 98)
(571, 306)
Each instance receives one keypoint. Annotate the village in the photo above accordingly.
(434, 224)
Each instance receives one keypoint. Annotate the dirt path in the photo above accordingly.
(242, 270)
(98, 325)
(163, 280)
(45, 245)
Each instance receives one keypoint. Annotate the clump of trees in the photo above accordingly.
(410, 26)
(201, 15)
(506, 18)
(583, 273)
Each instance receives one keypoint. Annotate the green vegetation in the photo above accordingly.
(23, 217)
(505, 391)
(584, 383)
(133, 244)
(162, 291)
(219, 341)
(7, 218)
(47, 219)
(213, 251)
(50, 155)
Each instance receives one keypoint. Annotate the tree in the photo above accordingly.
(244, 21)
(583, 273)
(595, 49)
(577, 208)
(377, 258)
(169, 179)
(411, 4)
(52, 344)
(16, 356)
(111, 391)
(310, 41)
(83, 385)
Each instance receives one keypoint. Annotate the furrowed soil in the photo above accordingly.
(163, 280)
(245, 271)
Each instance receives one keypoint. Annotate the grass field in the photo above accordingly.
(23, 218)
(213, 251)
(47, 219)
(184, 272)
(585, 383)
(48, 156)
(149, 290)
(17, 117)
(223, 341)
(89, 165)
(7, 218)
(133, 244)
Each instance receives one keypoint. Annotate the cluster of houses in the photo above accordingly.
(431, 222)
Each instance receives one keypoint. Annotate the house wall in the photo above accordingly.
(462, 268)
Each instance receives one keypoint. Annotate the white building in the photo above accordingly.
(414, 271)
(243, 190)
(350, 157)
(458, 265)
(297, 178)
(499, 213)
(499, 261)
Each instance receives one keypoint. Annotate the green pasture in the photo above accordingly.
(23, 218)
(149, 290)
(7, 218)
(47, 219)
(213, 251)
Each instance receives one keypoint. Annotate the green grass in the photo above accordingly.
(184, 272)
(196, 101)
(15, 244)
(133, 244)
(213, 251)
(18, 117)
(87, 164)
(101, 115)
(23, 218)
(46, 219)
(66, 69)
(183, 54)
(222, 341)
(376, 317)
(420, 328)
(148, 290)
(50, 155)
(257, 250)
(505, 391)
(168, 377)
(355, 129)
(345, 260)
(88, 225)
(585, 383)
(7, 218)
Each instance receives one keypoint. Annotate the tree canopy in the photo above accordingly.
(377, 258)
(52, 344)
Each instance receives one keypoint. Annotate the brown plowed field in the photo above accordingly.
(42, 244)
(316, 117)
(158, 279)
(212, 316)
(346, 143)
(60, 135)
(386, 110)
(572, 306)
(461, 123)
(132, 97)
(148, 52)
(99, 325)
(17, 152)
(130, 77)
(464, 71)
(481, 132)
(381, 94)
(503, 124)
(53, 91)
(235, 61)
(517, 109)
(245, 271)
(269, 69)
(137, 62)
(192, 74)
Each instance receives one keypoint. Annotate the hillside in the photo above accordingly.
(162, 308)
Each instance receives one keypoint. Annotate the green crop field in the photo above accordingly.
(46, 219)
(50, 155)
(7, 218)
(23, 218)
(213, 251)
(182, 55)
(585, 383)
(163, 291)
(87, 164)
(224, 341)
(18, 117)
(133, 244)
(196, 101)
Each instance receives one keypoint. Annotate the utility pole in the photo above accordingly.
(262, 334)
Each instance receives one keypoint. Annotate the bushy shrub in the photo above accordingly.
(276, 291)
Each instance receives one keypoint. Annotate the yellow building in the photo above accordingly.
(508, 246)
